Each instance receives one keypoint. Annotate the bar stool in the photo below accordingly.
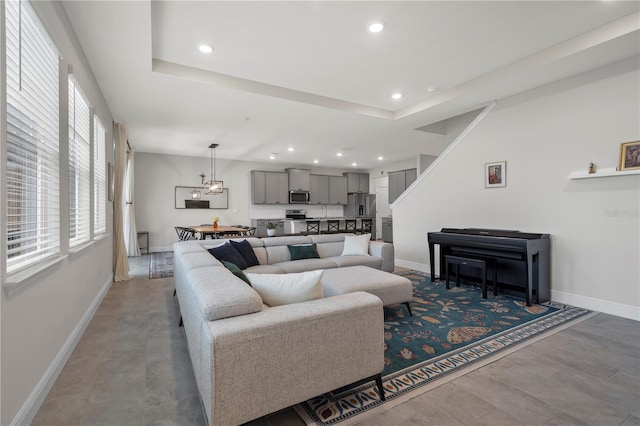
(313, 227)
(333, 226)
(349, 225)
(365, 226)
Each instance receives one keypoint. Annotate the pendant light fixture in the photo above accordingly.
(213, 186)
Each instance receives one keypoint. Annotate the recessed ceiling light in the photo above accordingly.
(354, 164)
(272, 156)
(290, 149)
(376, 27)
(432, 89)
(397, 96)
(380, 158)
(339, 154)
(205, 48)
(316, 161)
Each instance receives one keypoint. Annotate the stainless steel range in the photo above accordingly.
(296, 221)
(296, 214)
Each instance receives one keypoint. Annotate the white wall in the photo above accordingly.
(544, 135)
(157, 175)
(42, 321)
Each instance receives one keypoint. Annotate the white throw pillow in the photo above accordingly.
(284, 289)
(356, 245)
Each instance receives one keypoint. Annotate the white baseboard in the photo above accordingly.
(598, 305)
(612, 308)
(31, 406)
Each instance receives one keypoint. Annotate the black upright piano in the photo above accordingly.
(523, 259)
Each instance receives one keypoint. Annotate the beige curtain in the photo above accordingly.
(120, 260)
(130, 228)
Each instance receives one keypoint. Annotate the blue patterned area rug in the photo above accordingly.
(161, 264)
(450, 333)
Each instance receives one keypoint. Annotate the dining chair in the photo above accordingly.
(184, 234)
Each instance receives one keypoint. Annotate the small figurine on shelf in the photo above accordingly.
(592, 168)
(215, 222)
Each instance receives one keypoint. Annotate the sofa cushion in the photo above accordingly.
(342, 261)
(236, 271)
(330, 249)
(246, 251)
(303, 251)
(306, 265)
(265, 269)
(356, 245)
(223, 296)
(227, 252)
(285, 289)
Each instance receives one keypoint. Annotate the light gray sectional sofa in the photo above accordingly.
(249, 359)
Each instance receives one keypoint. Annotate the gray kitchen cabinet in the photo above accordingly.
(258, 187)
(319, 189)
(399, 181)
(299, 180)
(357, 182)
(262, 225)
(269, 187)
(338, 190)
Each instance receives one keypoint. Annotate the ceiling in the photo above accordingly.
(309, 75)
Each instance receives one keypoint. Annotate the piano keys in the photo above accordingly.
(523, 259)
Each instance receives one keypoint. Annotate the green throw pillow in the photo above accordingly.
(233, 268)
(303, 251)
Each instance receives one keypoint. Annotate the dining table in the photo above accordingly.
(218, 231)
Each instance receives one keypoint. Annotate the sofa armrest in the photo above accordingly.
(287, 354)
(385, 252)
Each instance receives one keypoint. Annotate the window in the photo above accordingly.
(32, 172)
(79, 166)
(99, 178)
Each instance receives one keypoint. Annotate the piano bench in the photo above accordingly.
(474, 262)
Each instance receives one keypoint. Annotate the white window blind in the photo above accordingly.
(79, 166)
(99, 178)
(32, 170)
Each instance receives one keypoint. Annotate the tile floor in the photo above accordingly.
(131, 367)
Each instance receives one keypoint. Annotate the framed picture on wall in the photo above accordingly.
(495, 174)
(629, 156)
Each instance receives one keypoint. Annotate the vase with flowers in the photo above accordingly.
(215, 222)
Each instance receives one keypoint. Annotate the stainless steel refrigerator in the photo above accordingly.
(362, 206)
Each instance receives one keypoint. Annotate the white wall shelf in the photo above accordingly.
(602, 173)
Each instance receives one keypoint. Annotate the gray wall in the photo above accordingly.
(544, 135)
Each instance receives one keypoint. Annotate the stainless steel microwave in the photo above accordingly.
(299, 197)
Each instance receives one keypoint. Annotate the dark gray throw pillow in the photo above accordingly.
(227, 252)
(236, 271)
(303, 251)
(246, 251)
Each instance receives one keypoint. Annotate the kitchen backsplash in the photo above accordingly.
(274, 211)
